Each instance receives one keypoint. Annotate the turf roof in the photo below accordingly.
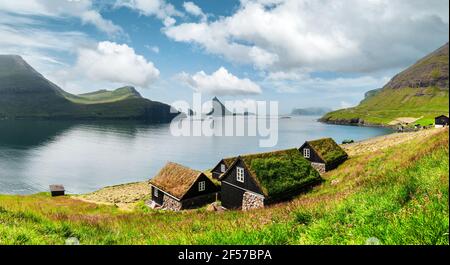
(328, 150)
(280, 172)
(175, 179)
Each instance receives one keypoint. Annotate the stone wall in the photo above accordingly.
(171, 204)
(320, 167)
(252, 201)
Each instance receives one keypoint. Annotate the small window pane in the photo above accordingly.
(155, 192)
(222, 168)
(240, 174)
(201, 186)
(306, 153)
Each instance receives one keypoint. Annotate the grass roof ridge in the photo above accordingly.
(327, 149)
(175, 179)
(279, 172)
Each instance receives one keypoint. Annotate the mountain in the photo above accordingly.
(417, 94)
(312, 111)
(218, 109)
(25, 93)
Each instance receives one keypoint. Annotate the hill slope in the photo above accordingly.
(25, 93)
(419, 92)
(398, 195)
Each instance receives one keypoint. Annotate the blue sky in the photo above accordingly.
(301, 53)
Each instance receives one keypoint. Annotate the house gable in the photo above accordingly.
(249, 184)
(194, 191)
(313, 156)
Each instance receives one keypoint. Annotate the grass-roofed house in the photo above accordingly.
(177, 187)
(253, 181)
(324, 154)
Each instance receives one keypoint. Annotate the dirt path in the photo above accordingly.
(381, 142)
(123, 196)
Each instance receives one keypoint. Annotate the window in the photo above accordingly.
(201, 186)
(240, 174)
(155, 192)
(222, 168)
(306, 153)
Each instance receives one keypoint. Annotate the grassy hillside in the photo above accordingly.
(104, 96)
(25, 93)
(397, 194)
(420, 92)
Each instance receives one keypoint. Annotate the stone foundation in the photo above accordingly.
(252, 201)
(319, 167)
(171, 204)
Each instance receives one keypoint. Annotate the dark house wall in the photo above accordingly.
(216, 172)
(231, 196)
(210, 187)
(57, 193)
(249, 182)
(159, 199)
(442, 120)
(314, 157)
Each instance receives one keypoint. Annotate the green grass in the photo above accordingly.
(397, 195)
(390, 104)
(104, 96)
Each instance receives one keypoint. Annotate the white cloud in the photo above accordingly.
(220, 83)
(83, 10)
(194, 10)
(158, 8)
(154, 49)
(169, 21)
(329, 35)
(115, 63)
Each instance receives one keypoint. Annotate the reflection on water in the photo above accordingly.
(88, 156)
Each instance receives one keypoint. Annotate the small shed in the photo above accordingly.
(324, 154)
(177, 187)
(57, 190)
(255, 180)
(441, 121)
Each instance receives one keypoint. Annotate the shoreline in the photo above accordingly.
(126, 196)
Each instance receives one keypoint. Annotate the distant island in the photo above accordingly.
(312, 111)
(414, 96)
(26, 94)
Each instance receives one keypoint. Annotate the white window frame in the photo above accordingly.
(155, 192)
(306, 153)
(240, 174)
(222, 168)
(201, 185)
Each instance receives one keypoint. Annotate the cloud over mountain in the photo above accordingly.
(220, 83)
(117, 63)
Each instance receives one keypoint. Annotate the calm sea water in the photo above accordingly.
(88, 156)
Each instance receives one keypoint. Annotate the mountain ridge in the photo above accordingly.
(27, 94)
(419, 93)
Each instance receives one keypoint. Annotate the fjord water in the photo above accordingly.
(87, 156)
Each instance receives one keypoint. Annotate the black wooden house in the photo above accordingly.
(324, 154)
(253, 181)
(177, 187)
(441, 121)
